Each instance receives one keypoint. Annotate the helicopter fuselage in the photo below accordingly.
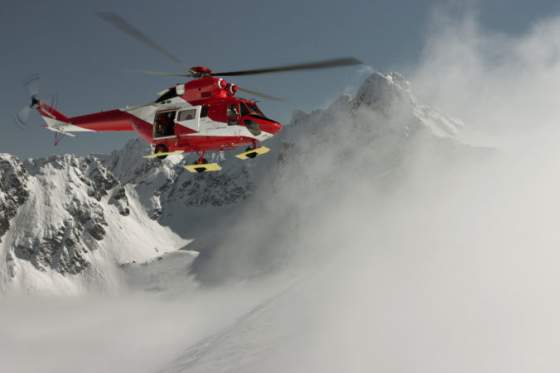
(198, 116)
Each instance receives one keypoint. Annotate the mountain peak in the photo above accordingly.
(389, 95)
(383, 92)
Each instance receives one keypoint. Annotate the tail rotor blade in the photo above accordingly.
(23, 116)
(18, 124)
(53, 100)
(32, 84)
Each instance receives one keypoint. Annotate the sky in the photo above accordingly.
(83, 61)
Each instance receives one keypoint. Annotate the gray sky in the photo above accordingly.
(82, 59)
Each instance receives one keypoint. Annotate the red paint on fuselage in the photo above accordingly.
(113, 120)
(48, 111)
(205, 90)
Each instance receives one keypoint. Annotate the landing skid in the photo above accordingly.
(204, 167)
(252, 153)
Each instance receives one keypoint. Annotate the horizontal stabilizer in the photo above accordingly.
(61, 127)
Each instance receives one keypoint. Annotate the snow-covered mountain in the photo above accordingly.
(68, 222)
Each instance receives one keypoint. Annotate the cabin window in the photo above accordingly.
(204, 111)
(186, 115)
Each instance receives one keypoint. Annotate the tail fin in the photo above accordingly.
(55, 120)
(47, 111)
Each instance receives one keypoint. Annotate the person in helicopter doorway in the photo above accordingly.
(233, 115)
(165, 125)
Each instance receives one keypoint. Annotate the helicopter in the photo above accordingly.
(199, 116)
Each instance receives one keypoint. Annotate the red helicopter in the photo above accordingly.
(201, 115)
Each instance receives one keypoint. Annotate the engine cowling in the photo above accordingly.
(232, 89)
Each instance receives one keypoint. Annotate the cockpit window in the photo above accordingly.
(169, 94)
(204, 111)
(251, 109)
(233, 114)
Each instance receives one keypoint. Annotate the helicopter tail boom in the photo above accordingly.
(55, 120)
(104, 121)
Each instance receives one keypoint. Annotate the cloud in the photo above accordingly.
(504, 86)
(131, 332)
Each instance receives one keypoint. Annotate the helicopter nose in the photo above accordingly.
(271, 127)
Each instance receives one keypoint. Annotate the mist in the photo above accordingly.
(366, 249)
(504, 86)
(420, 255)
(137, 330)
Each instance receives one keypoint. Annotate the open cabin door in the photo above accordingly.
(164, 124)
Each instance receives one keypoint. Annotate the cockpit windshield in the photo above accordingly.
(168, 95)
(251, 109)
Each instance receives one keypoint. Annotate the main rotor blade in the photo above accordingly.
(325, 64)
(122, 25)
(159, 73)
(259, 94)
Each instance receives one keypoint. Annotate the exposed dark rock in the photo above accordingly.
(120, 200)
(59, 249)
(90, 216)
(13, 190)
(98, 178)
(218, 189)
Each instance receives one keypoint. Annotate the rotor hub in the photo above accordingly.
(200, 71)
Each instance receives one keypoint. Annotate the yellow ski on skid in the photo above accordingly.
(253, 153)
(163, 154)
(203, 167)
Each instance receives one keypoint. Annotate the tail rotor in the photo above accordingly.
(32, 86)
